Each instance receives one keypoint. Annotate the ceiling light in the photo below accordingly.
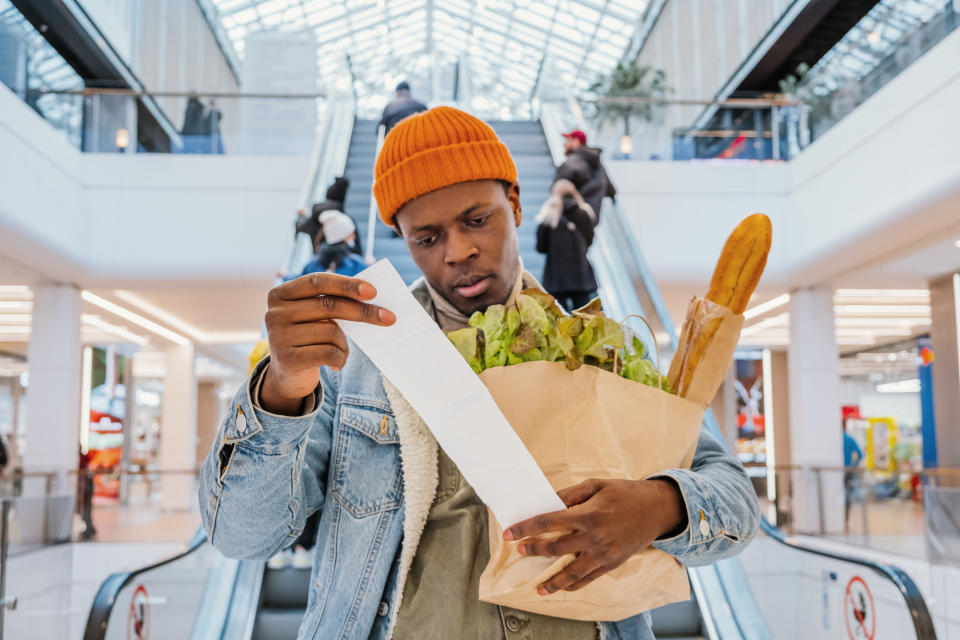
(769, 305)
(122, 332)
(880, 294)
(872, 322)
(858, 331)
(957, 244)
(15, 305)
(126, 314)
(874, 37)
(900, 386)
(883, 309)
(14, 330)
(16, 318)
(221, 337)
(15, 292)
(780, 320)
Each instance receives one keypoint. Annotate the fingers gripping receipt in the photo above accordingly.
(426, 368)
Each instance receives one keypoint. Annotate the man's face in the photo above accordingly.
(570, 144)
(464, 239)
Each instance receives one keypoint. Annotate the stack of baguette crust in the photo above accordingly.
(737, 273)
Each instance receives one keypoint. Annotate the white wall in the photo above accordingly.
(884, 182)
(114, 219)
(681, 214)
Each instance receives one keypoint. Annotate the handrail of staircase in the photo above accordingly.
(328, 160)
(372, 213)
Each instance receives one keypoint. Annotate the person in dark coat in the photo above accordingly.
(400, 107)
(310, 224)
(584, 169)
(564, 233)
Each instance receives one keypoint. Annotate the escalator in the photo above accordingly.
(199, 594)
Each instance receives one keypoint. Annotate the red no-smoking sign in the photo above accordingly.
(859, 613)
(138, 620)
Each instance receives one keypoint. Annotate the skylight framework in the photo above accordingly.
(45, 71)
(502, 49)
(871, 41)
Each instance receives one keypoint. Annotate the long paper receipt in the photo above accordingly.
(426, 368)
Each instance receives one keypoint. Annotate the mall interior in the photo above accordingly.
(154, 155)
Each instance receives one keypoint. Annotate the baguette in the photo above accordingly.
(741, 263)
(735, 277)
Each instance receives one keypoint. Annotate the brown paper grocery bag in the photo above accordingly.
(591, 423)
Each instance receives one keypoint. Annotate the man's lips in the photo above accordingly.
(473, 287)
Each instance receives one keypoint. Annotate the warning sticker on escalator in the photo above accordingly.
(859, 613)
(138, 620)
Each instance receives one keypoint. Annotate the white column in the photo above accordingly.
(816, 436)
(53, 394)
(178, 428)
(945, 342)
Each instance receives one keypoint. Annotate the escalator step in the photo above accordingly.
(285, 588)
(277, 624)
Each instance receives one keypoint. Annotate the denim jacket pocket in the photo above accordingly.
(366, 468)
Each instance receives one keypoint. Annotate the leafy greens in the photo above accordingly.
(537, 329)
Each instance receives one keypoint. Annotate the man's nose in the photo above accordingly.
(460, 248)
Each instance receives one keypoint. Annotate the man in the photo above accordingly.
(852, 455)
(400, 107)
(582, 167)
(403, 537)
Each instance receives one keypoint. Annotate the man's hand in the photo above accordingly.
(303, 335)
(607, 522)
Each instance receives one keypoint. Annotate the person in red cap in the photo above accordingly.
(584, 169)
(402, 536)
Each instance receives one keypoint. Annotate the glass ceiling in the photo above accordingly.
(878, 34)
(44, 71)
(501, 46)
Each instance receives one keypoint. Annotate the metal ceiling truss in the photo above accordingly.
(508, 46)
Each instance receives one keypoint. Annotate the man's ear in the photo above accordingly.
(514, 195)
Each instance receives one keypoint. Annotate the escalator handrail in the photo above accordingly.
(916, 604)
(110, 588)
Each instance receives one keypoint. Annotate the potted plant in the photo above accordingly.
(629, 81)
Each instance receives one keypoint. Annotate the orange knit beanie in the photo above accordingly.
(435, 149)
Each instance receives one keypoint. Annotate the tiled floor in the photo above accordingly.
(143, 523)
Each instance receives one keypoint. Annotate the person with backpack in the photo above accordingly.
(335, 252)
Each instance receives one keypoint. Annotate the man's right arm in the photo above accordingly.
(264, 473)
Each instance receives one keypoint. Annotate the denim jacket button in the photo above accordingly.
(383, 609)
(241, 422)
(704, 528)
(513, 623)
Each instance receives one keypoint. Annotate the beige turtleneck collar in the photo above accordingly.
(450, 318)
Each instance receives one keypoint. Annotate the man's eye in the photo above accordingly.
(478, 222)
(427, 241)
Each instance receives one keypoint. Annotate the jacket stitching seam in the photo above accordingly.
(322, 605)
(372, 555)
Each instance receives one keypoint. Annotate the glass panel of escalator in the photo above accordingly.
(164, 602)
(805, 595)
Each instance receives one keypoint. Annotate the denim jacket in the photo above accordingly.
(366, 461)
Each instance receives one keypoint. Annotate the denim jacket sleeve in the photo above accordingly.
(266, 473)
(722, 509)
